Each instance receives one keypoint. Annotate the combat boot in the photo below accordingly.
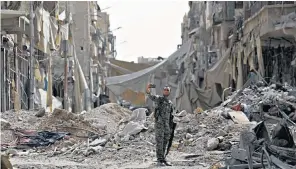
(167, 163)
(160, 163)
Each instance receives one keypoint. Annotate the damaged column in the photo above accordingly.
(259, 56)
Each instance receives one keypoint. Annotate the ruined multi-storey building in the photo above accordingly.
(228, 40)
(89, 32)
(246, 35)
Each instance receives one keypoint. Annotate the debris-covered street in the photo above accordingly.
(110, 84)
(108, 148)
(102, 138)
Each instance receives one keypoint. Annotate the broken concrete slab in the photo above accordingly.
(100, 141)
(188, 136)
(212, 144)
(40, 113)
(221, 133)
(238, 117)
(4, 124)
(183, 113)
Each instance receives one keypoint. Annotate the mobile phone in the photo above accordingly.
(152, 86)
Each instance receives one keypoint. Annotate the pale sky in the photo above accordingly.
(151, 28)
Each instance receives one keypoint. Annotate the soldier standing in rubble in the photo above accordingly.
(162, 114)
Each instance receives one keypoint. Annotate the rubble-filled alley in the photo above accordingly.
(225, 99)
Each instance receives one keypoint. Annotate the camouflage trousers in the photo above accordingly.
(162, 136)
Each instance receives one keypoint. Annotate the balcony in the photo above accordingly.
(255, 6)
(14, 22)
(264, 22)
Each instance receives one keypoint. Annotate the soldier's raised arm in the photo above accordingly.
(151, 96)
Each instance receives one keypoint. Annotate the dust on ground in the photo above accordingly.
(108, 150)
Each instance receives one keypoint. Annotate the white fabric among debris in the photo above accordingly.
(47, 30)
(136, 123)
(219, 73)
(55, 102)
(137, 81)
(43, 28)
(189, 97)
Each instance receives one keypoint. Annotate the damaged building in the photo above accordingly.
(266, 44)
(223, 45)
(245, 37)
(33, 68)
(15, 55)
(229, 40)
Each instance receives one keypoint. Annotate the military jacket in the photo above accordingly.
(164, 107)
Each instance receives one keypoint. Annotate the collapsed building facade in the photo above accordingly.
(59, 38)
(229, 40)
(15, 55)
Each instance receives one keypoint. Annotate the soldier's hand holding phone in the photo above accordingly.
(149, 86)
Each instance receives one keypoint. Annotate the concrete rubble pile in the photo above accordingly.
(17, 120)
(205, 136)
(116, 136)
(113, 133)
(62, 120)
(261, 101)
(271, 141)
(88, 133)
(107, 116)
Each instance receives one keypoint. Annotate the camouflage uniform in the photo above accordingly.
(163, 110)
